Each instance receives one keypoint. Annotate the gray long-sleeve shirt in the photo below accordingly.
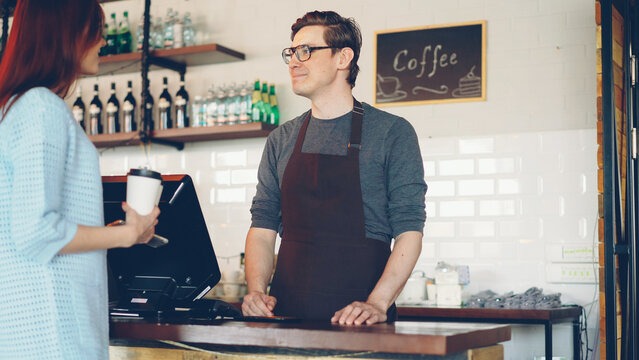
(390, 166)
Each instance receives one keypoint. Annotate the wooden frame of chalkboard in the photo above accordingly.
(430, 64)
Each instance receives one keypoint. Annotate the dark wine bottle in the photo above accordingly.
(164, 107)
(128, 111)
(95, 114)
(182, 106)
(113, 113)
(79, 110)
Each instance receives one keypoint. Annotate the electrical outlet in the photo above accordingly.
(571, 253)
(571, 273)
(579, 253)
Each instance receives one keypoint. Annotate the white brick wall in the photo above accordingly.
(509, 177)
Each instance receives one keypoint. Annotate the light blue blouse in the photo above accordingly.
(51, 306)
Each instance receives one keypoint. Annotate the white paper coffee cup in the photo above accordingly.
(143, 190)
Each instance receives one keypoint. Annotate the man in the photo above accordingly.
(338, 182)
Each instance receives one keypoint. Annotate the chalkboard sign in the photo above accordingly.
(445, 63)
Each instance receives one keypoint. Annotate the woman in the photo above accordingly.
(53, 299)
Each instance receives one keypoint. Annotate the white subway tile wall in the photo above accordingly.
(527, 138)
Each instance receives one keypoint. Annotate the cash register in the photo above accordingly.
(170, 279)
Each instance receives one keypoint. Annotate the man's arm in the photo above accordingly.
(260, 248)
(408, 246)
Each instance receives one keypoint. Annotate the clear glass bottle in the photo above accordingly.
(244, 105)
(178, 31)
(189, 30)
(199, 112)
(140, 34)
(232, 106)
(169, 35)
(157, 34)
(211, 106)
(222, 111)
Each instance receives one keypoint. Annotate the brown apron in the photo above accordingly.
(325, 261)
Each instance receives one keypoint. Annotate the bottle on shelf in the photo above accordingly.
(189, 30)
(156, 34)
(95, 114)
(199, 112)
(168, 30)
(143, 115)
(112, 113)
(267, 105)
(232, 106)
(129, 122)
(140, 35)
(222, 110)
(124, 35)
(274, 119)
(112, 36)
(182, 106)
(257, 105)
(178, 32)
(244, 114)
(211, 107)
(78, 108)
(164, 107)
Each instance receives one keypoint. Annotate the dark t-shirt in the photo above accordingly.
(390, 166)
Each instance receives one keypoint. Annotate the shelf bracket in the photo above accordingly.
(145, 138)
(168, 64)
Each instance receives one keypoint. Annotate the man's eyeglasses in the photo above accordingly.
(302, 52)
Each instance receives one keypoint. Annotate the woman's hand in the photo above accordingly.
(140, 228)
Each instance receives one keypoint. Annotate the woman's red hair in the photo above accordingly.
(46, 45)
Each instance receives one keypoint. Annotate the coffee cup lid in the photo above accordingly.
(146, 173)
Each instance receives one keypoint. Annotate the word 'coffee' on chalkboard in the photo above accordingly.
(445, 63)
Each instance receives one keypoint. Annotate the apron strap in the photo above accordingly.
(355, 142)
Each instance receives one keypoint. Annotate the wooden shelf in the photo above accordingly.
(190, 56)
(225, 132)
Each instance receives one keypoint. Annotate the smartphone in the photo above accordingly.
(157, 241)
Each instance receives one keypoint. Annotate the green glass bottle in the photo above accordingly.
(124, 35)
(112, 36)
(267, 105)
(275, 111)
(257, 106)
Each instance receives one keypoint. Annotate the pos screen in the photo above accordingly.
(188, 258)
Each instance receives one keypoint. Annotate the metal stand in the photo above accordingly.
(620, 225)
(146, 127)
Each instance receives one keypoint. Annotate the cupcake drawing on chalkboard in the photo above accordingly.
(388, 89)
(469, 85)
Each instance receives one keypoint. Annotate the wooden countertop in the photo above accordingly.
(567, 312)
(429, 338)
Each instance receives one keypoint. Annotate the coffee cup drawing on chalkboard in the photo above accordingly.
(388, 89)
(469, 85)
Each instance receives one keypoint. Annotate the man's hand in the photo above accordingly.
(358, 313)
(258, 304)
